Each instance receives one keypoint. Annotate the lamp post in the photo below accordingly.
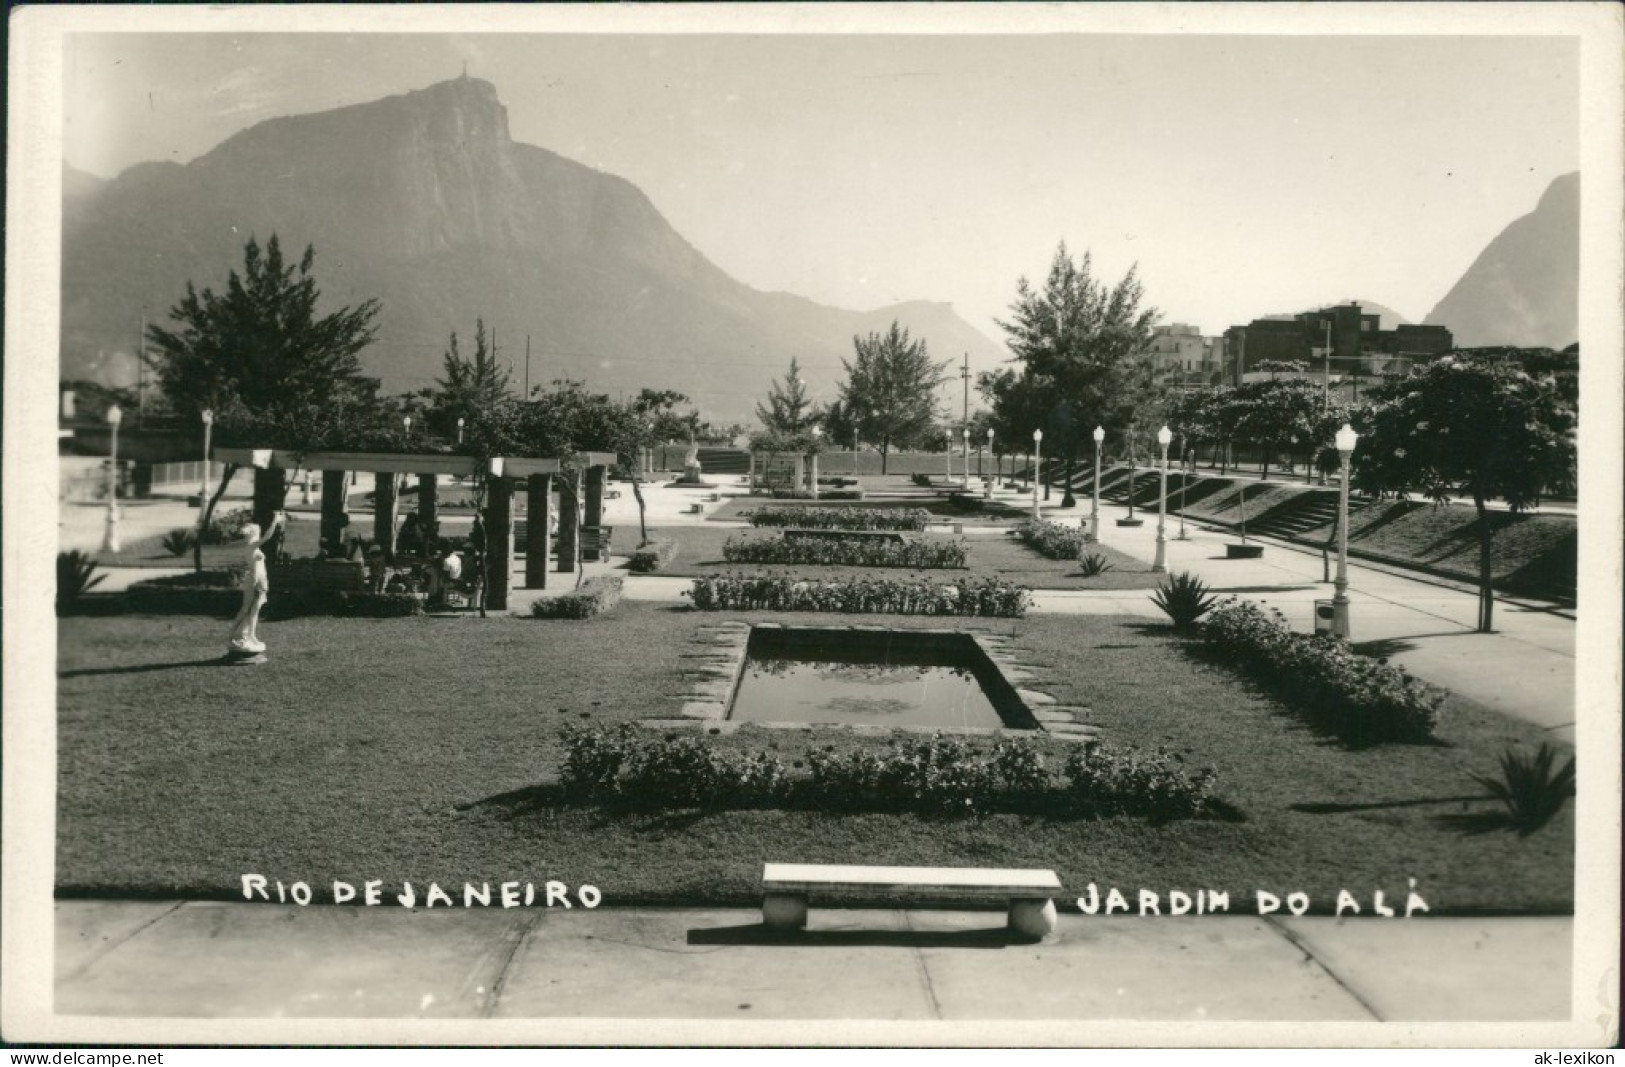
(203, 479)
(987, 483)
(1160, 564)
(1038, 458)
(459, 429)
(948, 455)
(408, 421)
(1184, 480)
(1094, 502)
(110, 542)
(964, 481)
(1346, 440)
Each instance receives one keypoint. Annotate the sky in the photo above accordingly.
(1240, 175)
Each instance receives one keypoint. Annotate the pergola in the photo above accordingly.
(503, 475)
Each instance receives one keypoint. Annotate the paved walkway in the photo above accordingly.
(202, 959)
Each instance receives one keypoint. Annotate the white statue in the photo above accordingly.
(245, 644)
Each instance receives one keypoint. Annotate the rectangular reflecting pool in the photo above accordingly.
(874, 678)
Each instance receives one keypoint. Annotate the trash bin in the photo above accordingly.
(1325, 616)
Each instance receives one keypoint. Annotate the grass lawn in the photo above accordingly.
(700, 554)
(418, 749)
(1531, 553)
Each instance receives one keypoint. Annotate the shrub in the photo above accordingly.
(216, 593)
(594, 597)
(179, 542)
(593, 758)
(921, 480)
(823, 494)
(1093, 564)
(818, 518)
(965, 502)
(373, 605)
(857, 552)
(938, 775)
(1184, 598)
(227, 526)
(1052, 539)
(1532, 793)
(1357, 697)
(1109, 782)
(651, 556)
(75, 576)
(968, 596)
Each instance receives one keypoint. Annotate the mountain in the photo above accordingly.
(424, 201)
(1524, 288)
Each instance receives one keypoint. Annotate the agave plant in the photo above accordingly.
(179, 542)
(1091, 564)
(1532, 792)
(1185, 598)
(75, 576)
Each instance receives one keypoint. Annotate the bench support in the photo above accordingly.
(1032, 919)
(785, 911)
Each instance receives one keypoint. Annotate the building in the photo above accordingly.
(1343, 343)
(1183, 358)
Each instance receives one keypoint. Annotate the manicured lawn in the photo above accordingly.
(1530, 553)
(420, 749)
(700, 554)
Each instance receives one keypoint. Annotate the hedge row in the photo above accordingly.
(1052, 539)
(936, 775)
(842, 518)
(594, 597)
(651, 556)
(219, 594)
(1359, 698)
(986, 597)
(924, 555)
(823, 494)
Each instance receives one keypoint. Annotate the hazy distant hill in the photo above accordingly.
(1524, 288)
(424, 201)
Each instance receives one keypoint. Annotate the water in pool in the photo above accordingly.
(891, 687)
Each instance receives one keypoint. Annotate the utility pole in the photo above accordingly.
(1327, 405)
(965, 375)
(141, 373)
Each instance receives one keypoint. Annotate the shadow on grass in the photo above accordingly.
(1478, 823)
(144, 668)
(1329, 808)
(761, 934)
(1257, 588)
(1392, 646)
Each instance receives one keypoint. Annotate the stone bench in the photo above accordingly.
(797, 533)
(1029, 895)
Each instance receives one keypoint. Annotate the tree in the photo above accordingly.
(273, 371)
(470, 388)
(1463, 426)
(788, 409)
(890, 391)
(1087, 345)
(1277, 414)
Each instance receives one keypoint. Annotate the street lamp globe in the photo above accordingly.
(1347, 438)
(115, 415)
(1100, 435)
(1164, 436)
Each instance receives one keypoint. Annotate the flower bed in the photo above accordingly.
(651, 556)
(1052, 539)
(1359, 698)
(842, 518)
(596, 596)
(935, 775)
(988, 597)
(924, 555)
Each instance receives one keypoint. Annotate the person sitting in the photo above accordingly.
(377, 570)
(445, 574)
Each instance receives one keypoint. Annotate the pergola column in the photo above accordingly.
(335, 507)
(569, 521)
(596, 477)
(428, 502)
(498, 543)
(383, 512)
(537, 489)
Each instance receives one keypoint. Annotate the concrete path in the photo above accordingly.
(204, 959)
